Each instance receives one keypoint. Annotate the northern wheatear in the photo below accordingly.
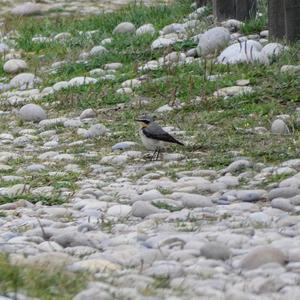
(154, 137)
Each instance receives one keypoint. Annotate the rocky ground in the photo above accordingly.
(85, 214)
(55, 8)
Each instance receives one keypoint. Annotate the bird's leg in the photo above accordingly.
(154, 153)
(158, 152)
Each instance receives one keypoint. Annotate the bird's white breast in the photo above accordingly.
(151, 144)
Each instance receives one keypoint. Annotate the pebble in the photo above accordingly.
(143, 209)
(125, 27)
(233, 91)
(88, 113)
(120, 211)
(145, 29)
(81, 80)
(282, 203)
(251, 195)
(279, 127)
(212, 40)
(15, 66)
(214, 250)
(32, 112)
(291, 69)
(283, 192)
(25, 81)
(27, 9)
(164, 229)
(98, 50)
(262, 255)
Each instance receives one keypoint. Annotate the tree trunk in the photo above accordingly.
(292, 19)
(200, 3)
(245, 9)
(276, 18)
(234, 9)
(224, 9)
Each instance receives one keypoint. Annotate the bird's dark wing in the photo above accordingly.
(154, 131)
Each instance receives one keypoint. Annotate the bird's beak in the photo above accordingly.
(138, 120)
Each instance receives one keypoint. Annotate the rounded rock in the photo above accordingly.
(32, 112)
(215, 250)
(27, 9)
(212, 40)
(143, 209)
(262, 255)
(25, 80)
(125, 27)
(145, 29)
(14, 66)
(279, 127)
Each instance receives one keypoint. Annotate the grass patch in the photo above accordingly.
(45, 200)
(36, 282)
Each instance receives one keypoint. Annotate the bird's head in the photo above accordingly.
(145, 121)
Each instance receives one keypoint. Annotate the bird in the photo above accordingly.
(154, 137)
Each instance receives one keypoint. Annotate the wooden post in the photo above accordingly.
(276, 19)
(234, 9)
(200, 3)
(292, 19)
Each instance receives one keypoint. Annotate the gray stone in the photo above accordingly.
(124, 91)
(81, 80)
(3, 48)
(125, 27)
(290, 69)
(260, 218)
(113, 66)
(123, 145)
(145, 29)
(279, 127)
(25, 81)
(251, 195)
(215, 250)
(162, 43)
(232, 24)
(52, 122)
(212, 40)
(72, 123)
(233, 91)
(73, 239)
(97, 72)
(282, 203)
(192, 200)
(92, 294)
(246, 51)
(88, 114)
(167, 269)
(63, 36)
(232, 294)
(262, 255)
(173, 28)
(272, 49)
(32, 112)
(14, 66)
(119, 211)
(60, 85)
(262, 285)
(27, 9)
(284, 192)
(98, 50)
(143, 209)
(237, 166)
(96, 130)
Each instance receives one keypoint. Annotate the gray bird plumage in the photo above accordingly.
(154, 137)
